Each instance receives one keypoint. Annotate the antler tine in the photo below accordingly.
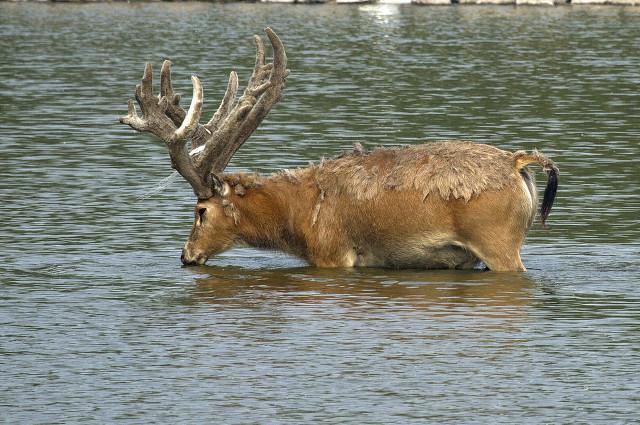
(279, 72)
(180, 158)
(272, 90)
(156, 120)
(259, 50)
(132, 118)
(259, 61)
(171, 100)
(227, 130)
(226, 105)
(192, 118)
(166, 88)
(256, 102)
(170, 103)
(232, 87)
(145, 88)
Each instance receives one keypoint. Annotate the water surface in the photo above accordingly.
(99, 323)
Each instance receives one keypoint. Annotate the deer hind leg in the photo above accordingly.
(494, 226)
(499, 254)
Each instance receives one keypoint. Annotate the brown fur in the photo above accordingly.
(439, 205)
(458, 170)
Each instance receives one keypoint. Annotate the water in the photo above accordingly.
(100, 324)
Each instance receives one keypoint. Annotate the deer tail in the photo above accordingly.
(522, 159)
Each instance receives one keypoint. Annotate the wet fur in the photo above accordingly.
(438, 205)
(450, 169)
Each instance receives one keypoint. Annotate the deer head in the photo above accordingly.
(212, 144)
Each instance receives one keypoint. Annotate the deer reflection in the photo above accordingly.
(441, 292)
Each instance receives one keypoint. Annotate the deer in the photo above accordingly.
(450, 204)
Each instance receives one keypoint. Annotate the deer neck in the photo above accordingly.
(273, 215)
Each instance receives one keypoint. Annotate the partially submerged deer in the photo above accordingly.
(450, 204)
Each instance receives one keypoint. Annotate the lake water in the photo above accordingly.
(99, 323)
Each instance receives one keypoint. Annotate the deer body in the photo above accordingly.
(388, 232)
(349, 224)
(450, 204)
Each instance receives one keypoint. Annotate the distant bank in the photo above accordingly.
(416, 2)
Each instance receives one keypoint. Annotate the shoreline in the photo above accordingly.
(381, 2)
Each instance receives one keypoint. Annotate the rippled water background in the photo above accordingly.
(99, 323)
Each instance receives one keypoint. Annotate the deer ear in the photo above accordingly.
(219, 186)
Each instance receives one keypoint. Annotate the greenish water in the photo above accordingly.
(100, 324)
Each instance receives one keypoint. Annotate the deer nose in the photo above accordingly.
(184, 260)
(189, 259)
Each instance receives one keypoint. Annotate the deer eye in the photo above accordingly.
(201, 212)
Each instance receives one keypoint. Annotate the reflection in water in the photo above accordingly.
(457, 303)
(442, 291)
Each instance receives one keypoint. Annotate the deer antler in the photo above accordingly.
(226, 131)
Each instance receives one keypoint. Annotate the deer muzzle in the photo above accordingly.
(189, 258)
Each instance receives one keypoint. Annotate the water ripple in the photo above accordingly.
(100, 324)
